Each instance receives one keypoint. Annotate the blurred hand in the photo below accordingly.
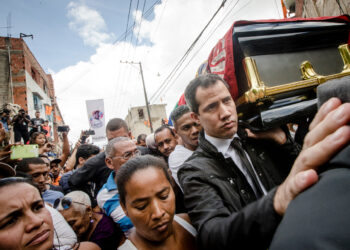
(276, 135)
(329, 132)
(46, 148)
(5, 152)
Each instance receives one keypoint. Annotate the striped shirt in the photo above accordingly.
(108, 201)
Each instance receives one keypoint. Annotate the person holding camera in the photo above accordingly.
(37, 123)
(20, 126)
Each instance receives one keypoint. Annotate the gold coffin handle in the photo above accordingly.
(308, 72)
(256, 86)
(258, 90)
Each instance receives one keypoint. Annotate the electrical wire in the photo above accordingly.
(135, 50)
(126, 32)
(127, 22)
(123, 78)
(161, 17)
(194, 55)
(278, 12)
(186, 54)
(342, 12)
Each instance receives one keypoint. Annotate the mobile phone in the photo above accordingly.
(89, 132)
(24, 151)
(62, 128)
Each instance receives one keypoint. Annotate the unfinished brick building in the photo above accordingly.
(24, 82)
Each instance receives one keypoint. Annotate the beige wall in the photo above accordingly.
(137, 125)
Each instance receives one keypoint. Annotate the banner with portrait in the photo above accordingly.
(96, 115)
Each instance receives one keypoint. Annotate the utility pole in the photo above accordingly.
(144, 91)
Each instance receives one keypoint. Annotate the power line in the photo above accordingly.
(147, 14)
(212, 32)
(161, 17)
(186, 54)
(278, 12)
(123, 77)
(137, 8)
(127, 22)
(135, 45)
(126, 32)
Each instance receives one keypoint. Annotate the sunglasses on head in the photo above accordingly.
(65, 202)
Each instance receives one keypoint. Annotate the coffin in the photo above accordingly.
(273, 67)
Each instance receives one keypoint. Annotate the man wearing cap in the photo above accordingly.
(55, 169)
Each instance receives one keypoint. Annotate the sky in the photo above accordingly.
(82, 43)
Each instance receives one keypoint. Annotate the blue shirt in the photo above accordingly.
(108, 201)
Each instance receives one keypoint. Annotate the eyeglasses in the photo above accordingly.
(128, 155)
(66, 202)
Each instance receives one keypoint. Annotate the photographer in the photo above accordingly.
(37, 123)
(20, 126)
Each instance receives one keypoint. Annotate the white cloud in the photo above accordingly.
(89, 24)
(171, 32)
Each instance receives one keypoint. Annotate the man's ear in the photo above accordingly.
(109, 163)
(89, 211)
(130, 134)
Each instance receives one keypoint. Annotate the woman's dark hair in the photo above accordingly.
(34, 136)
(16, 180)
(129, 168)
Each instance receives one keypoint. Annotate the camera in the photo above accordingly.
(89, 132)
(86, 134)
(62, 128)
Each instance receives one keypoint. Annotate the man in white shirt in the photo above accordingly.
(225, 181)
(187, 128)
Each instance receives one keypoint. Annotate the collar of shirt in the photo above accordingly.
(110, 184)
(222, 145)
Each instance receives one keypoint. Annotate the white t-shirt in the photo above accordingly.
(176, 159)
(65, 237)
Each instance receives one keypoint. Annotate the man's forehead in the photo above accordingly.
(117, 133)
(124, 146)
(162, 135)
(218, 89)
(34, 168)
(184, 119)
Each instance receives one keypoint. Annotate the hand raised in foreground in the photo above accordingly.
(328, 133)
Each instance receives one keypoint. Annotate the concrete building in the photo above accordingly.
(138, 122)
(24, 82)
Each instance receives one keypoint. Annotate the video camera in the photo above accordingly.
(86, 134)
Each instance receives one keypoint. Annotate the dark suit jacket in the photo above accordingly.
(319, 218)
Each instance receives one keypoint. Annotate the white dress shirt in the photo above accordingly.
(224, 147)
(176, 159)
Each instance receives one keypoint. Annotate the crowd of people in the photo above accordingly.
(203, 183)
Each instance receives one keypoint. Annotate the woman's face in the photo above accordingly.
(25, 223)
(40, 140)
(78, 221)
(150, 204)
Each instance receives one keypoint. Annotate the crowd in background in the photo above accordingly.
(203, 183)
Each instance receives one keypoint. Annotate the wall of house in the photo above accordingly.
(137, 118)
